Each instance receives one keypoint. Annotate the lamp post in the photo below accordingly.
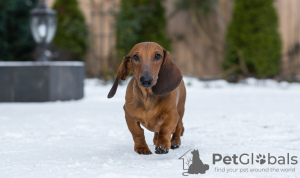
(43, 27)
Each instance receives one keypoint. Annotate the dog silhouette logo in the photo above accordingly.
(193, 163)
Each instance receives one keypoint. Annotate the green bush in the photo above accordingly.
(16, 42)
(253, 41)
(139, 21)
(72, 34)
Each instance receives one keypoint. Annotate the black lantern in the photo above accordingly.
(43, 27)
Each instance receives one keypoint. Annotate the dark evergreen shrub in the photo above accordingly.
(140, 21)
(253, 41)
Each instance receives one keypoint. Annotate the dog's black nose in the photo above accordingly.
(146, 81)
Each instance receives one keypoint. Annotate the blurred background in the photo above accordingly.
(208, 39)
(254, 43)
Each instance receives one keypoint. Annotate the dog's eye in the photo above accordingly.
(157, 57)
(135, 57)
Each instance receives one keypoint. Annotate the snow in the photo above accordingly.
(90, 138)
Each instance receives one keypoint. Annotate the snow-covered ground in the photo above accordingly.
(90, 138)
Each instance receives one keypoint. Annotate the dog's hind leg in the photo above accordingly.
(155, 138)
(176, 141)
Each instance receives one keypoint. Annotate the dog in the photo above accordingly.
(155, 97)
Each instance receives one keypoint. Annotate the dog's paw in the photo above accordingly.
(175, 142)
(162, 146)
(142, 150)
(161, 150)
(174, 146)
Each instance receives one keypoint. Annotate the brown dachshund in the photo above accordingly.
(155, 97)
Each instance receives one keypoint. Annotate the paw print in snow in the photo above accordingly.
(261, 159)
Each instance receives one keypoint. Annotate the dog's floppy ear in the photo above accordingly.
(169, 76)
(123, 71)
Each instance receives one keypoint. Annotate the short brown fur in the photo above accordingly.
(160, 107)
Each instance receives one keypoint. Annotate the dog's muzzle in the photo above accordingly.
(146, 81)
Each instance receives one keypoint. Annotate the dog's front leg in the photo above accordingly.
(163, 142)
(140, 145)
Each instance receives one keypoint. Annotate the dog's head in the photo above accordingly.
(152, 67)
